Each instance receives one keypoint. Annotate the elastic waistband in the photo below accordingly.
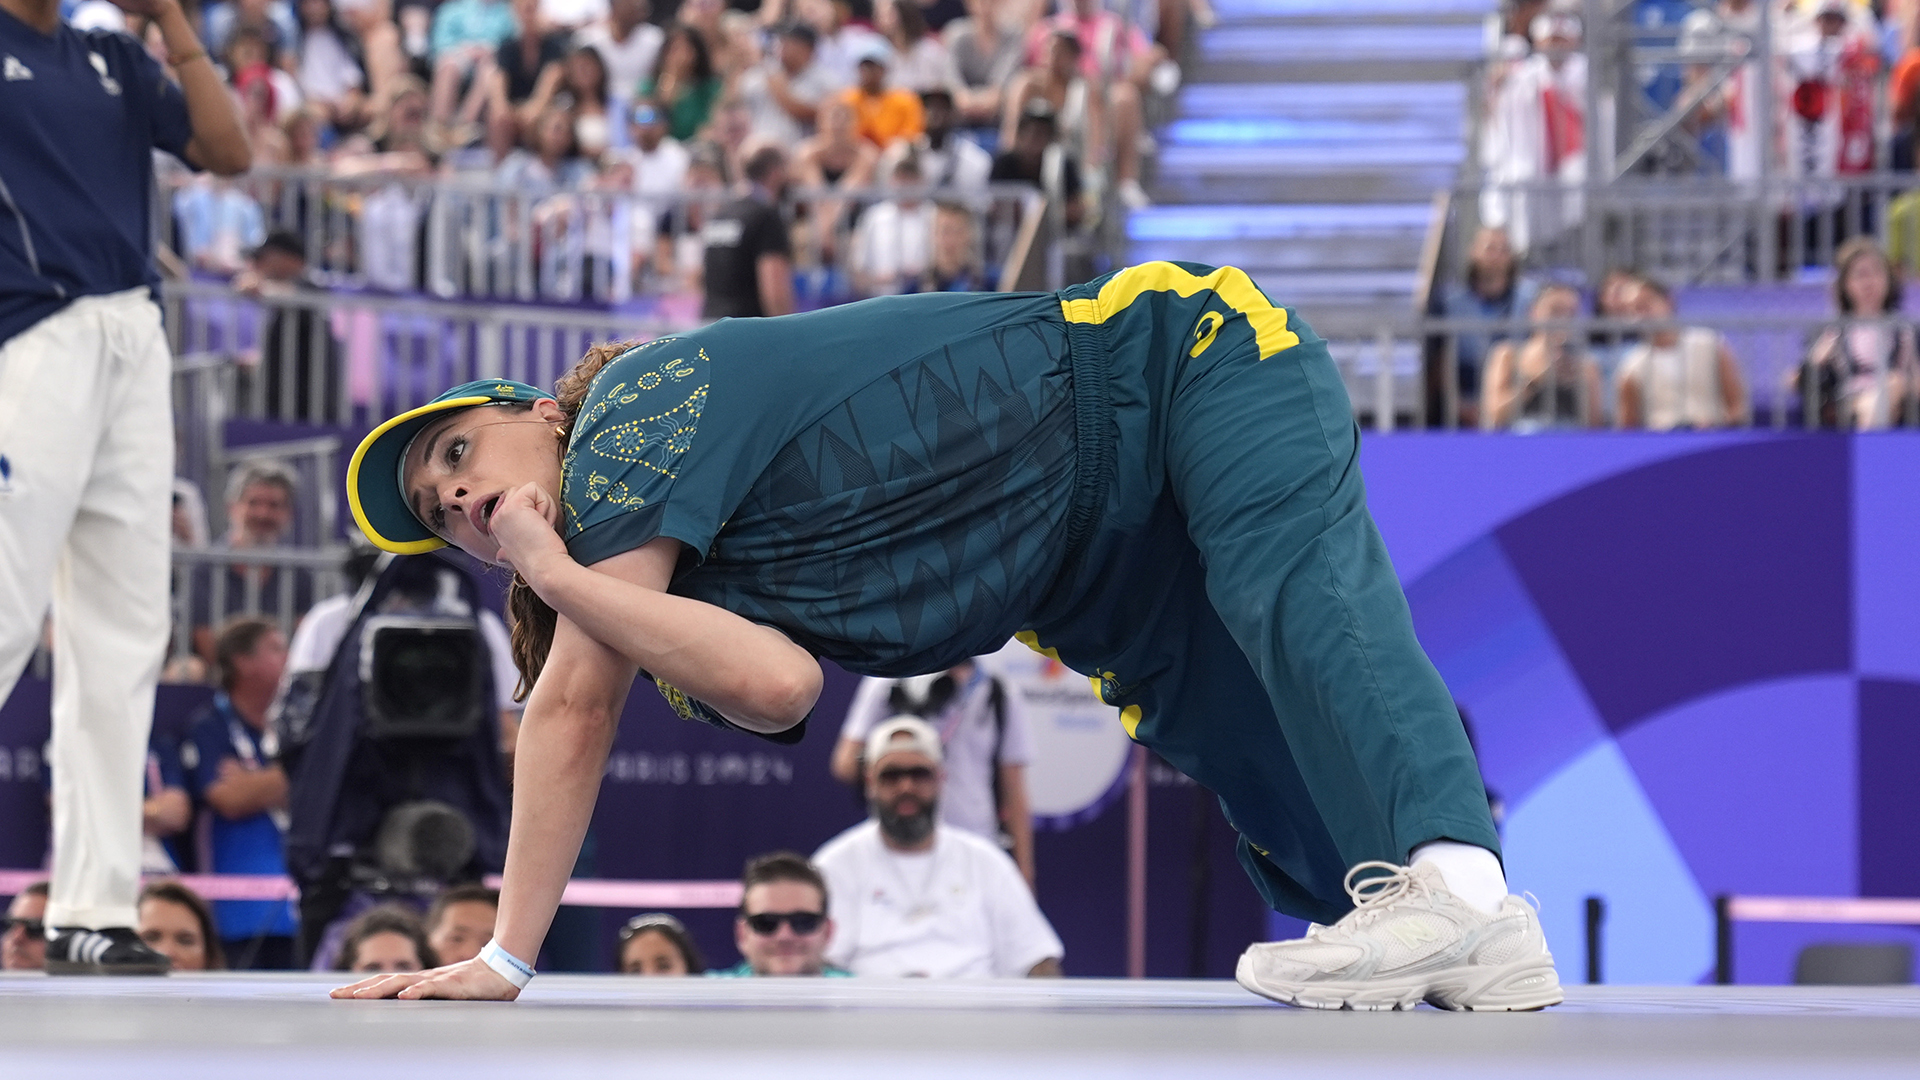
(123, 298)
(1087, 347)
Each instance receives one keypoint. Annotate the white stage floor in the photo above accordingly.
(282, 1027)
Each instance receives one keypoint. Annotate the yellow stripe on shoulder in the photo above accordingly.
(1232, 284)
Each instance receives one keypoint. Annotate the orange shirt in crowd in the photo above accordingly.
(886, 116)
(1906, 79)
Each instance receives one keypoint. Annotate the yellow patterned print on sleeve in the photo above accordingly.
(640, 420)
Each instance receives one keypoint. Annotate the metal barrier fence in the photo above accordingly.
(344, 361)
(476, 237)
(314, 365)
(212, 585)
(1788, 371)
(317, 356)
(1689, 230)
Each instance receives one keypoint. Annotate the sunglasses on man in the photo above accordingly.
(34, 928)
(916, 774)
(767, 923)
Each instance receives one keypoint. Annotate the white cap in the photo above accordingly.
(903, 733)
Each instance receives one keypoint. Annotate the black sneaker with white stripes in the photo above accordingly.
(116, 950)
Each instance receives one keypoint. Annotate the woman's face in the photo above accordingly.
(1556, 305)
(679, 58)
(173, 931)
(385, 953)
(952, 238)
(246, 52)
(409, 112)
(459, 468)
(1868, 284)
(1492, 252)
(1614, 292)
(650, 952)
(585, 76)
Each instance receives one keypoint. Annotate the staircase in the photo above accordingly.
(1306, 148)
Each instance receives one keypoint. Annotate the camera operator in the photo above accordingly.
(320, 633)
(393, 747)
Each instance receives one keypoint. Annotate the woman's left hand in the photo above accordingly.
(523, 528)
(469, 980)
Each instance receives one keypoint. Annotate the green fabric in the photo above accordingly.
(903, 482)
(893, 476)
(1237, 592)
(689, 112)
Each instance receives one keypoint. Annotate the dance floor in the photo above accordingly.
(282, 1027)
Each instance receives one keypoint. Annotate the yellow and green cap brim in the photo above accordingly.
(374, 493)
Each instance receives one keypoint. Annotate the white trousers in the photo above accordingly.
(86, 442)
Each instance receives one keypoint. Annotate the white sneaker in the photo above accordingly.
(1409, 940)
(1132, 195)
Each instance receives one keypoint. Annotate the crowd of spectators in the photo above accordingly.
(1841, 93)
(937, 882)
(1512, 352)
(581, 121)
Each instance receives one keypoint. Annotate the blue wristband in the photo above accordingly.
(507, 965)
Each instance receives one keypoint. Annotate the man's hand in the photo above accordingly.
(523, 528)
(469, 980)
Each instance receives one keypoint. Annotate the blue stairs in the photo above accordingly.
(1307, 145)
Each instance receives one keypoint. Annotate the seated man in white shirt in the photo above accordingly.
(918, 898)
(893, 242)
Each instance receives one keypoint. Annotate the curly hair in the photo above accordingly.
(530, 622)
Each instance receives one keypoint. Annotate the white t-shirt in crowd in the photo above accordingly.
(960, 164)
(958, 911)
(628, 62)
(1679, 383)
(659, 172)
(814, 85)
(318, 637)
(967, 734)
(892, 244)
(565, 13)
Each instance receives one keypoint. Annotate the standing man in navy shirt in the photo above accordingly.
(86, 424)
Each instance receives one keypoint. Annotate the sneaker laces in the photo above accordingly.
(1374, 896)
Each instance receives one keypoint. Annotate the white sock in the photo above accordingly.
(1471, 872)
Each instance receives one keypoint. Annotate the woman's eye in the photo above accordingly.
(456, 450)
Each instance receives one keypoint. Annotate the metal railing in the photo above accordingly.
(1418, 375)
(477, 237)
(1694, 230)
(339, 358)
(213, 585)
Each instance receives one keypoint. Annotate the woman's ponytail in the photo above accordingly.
(529, 619)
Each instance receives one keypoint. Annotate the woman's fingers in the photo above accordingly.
(381, 986)
(469, 980)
